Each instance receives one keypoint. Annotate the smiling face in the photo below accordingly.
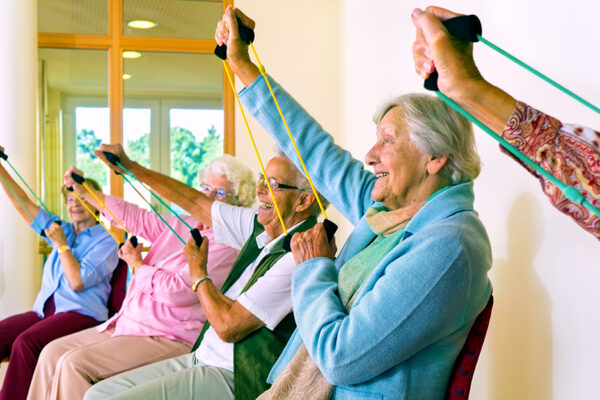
(77, 212)
(294, 204)
(400, 167)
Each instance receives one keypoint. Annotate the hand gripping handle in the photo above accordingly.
(465, 28)
(197, 236)
(246, 34)
(43, 233)
(77, 178)
(113, 159)
(133, 240)
(330, 229)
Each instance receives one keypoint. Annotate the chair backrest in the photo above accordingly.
(462, 374)
(118, 283)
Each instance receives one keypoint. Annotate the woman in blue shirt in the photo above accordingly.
(75, 285)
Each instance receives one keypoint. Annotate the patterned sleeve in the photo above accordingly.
(570, 152)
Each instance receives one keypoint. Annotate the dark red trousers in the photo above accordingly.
(23, 336)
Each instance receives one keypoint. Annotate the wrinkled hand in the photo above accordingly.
(312, 243)
(131, 255)
(56, 235)
(435, 49)
(116, 149)
(69, 182)
(227, 33)
(196, 257)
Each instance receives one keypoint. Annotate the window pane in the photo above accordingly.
(175, 103)
(137, 124)
(73, 16)
(196, 139)
(136, 134)
(73, 101)
(172, 18)
(92, 125)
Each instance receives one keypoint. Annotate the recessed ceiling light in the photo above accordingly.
(141, 24)
(126, 76)
(131, 54)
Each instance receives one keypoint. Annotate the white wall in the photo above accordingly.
(19, 262)
(543, 341)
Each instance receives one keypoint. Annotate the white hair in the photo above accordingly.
(301, 182)
(242, 178)
(437, 129)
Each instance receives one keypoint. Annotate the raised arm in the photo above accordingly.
(20, 193)
(347, 186)
(191, 200)
(459, 78)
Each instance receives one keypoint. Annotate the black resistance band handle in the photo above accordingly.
(246, 34)
(58, 221)
(330, 228)
(465, 28)
(133, 240)
(113, 159)
(77, 178)
(197, 236)
(3, 155)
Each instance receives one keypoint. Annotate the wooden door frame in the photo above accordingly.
(115, 42)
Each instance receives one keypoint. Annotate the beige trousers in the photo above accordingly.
(69, 366)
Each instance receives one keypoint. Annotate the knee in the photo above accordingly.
(49, 355)
(26, 343)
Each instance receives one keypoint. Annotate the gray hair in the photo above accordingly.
(302, 182)
(437, 129)
(244, 185)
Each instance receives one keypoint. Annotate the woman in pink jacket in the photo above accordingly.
(161, 315)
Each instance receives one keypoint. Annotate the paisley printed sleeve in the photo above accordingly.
(570, 152)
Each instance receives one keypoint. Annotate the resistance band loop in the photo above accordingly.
(539, 74)
(262, 168)
(30, 190)
(152, 207)
(570, 192)
(22, 205)
(95, 216)
(261, 68)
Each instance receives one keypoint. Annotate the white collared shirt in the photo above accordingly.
(269, 299)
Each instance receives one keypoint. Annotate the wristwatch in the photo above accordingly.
(63, 248)
(198, 281)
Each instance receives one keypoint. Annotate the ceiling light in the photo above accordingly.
(131, 54)
(141, 24)
(126, 76)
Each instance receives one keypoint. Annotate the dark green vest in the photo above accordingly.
(255, 355)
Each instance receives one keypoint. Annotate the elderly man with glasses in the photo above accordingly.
(250, 320)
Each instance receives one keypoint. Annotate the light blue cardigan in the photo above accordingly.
(411, 318)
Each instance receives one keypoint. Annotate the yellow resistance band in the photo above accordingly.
(254, 145)
(261, 68)
(95, 216)
(104, 206)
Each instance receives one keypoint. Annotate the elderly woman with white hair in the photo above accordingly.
(161, 315)
(388, 317)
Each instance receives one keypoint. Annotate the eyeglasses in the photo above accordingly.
(276, 185)
(219, 193)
